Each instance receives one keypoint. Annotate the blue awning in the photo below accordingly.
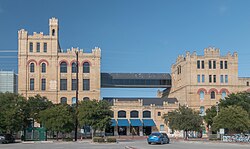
(113, 122)
(148, 122)
(123, 122)
(135, 122)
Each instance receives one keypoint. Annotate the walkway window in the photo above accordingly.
(214, 78)
(203, 78)
(73, 67)
(121, 114)
(225, 63)
(210, 64)
(43, 67)
(221, 64)
(212, 94)
(86, 67)
(214, 64)
(159, 113)
(202, 64)
(210, 78)
(198, 64)
(32, 67)
(146, 114)
(223, 95)
(134, 114)
(247, 83)
(201, 95)
(63, 100)
(85, 98)
(63, 67)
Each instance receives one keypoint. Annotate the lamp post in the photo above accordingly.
(76, 110)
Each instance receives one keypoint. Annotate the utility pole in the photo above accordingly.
(76, 110)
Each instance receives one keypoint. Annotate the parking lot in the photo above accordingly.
(135, 144)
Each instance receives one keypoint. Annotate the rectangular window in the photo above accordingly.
(203, 78)
(31, 46)
(198, 64)
(214, 64)
(198, 78)
(221, 64)
(45, 47)
(202, 64)
(226, 79)
(225, 64)
(63, 84)
(221, 79)
(73, 84)
(32, 84)
(214, 78)
(86, 85)
(210, 78)
(161, 127)
(43, 84)
(210, 64)
(38, 47)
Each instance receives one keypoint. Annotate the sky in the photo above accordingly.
(144, 36)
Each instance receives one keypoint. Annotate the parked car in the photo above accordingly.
(158, 137)
(7, 138)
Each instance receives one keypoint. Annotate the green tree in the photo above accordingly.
(234, 118)
(58, 118)
(12, 112)
(35, 105)
(210, 114)
(95, 114)
(185, 119)
(239, 99)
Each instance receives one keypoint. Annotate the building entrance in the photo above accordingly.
(147, 130)
(135, 131)
(122, 130)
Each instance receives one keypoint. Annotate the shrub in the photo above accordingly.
(111, 139)
(98, 139)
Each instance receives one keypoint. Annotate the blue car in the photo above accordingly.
(157, 137)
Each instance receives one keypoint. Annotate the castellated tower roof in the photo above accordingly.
(53, 21)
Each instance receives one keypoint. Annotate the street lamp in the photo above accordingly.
(76, 110)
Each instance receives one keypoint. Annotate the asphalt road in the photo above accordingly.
(139, 144)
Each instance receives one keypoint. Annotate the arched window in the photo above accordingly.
(63, 100)
(85, 98)
(63, 67)
(134, 114)
(85, 67)
(212, 94)
(73, 67)
(32, 67)
(146, 114)
(121, 114)
(201, 95)
(223, 94)
(53, 32)
(73, 100)
(43, 67)
(202, 110)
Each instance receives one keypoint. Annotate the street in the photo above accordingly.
(137, 144)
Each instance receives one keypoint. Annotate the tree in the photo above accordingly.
(240, 99)
(185, 119)
(234, 118)
(210, 114)
(58, 118)
(95, 114)
(12, 112)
